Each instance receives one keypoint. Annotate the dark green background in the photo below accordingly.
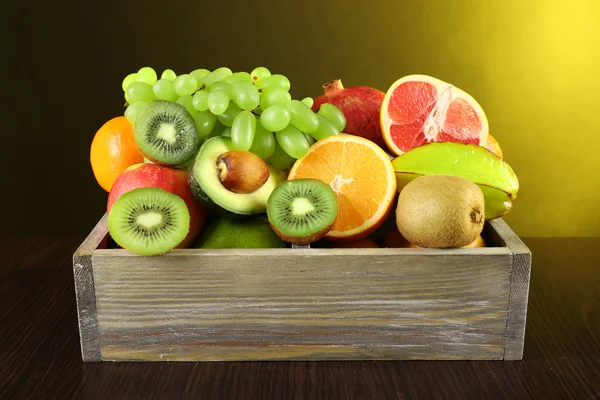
(532, 67)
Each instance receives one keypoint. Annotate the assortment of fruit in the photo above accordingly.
(223, 159)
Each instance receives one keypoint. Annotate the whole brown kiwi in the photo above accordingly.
(441, 211)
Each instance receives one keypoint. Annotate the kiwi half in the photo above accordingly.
(149, 221)
(165, 133)
(301, 211)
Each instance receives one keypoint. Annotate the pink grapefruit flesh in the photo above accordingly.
(420, 109)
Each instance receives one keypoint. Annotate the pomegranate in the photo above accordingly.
(360, 105)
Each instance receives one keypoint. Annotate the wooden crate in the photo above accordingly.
(303, 304)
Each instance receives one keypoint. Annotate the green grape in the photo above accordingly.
(275, 118)
(163, 90)
(217, 130)
(169, 75)
(129, 79)
(226, 132)
(199, 74)
(274, 95)
(205, 123)
(245, 95)
(263, 143)
(242, 131)
(292, 141)
(334, 115)
(309, 139)
(302, 117)
(226, 87)
(139, 91)
(218, 101)
(276, 80)
(185, 85)
(229, 115)
(127, 98)
(218, 74)
(259, 73)
(200, 100)
(134, 109)
(188, 103)
(325, 129)
(280, 159)
(239, 77)
(308, 101)
(147, 75)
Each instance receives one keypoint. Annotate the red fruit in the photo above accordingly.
(361, 105)
(170, 179)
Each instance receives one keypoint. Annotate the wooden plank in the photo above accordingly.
(519, 290)
(315, 304)
(84, 290)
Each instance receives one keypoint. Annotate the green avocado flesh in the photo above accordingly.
(206, 186)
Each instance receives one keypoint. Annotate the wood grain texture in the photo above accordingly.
(283, 304)
(40, 356)
(519, 290)
(84, 290)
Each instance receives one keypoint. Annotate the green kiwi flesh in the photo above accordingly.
(149, 221)
(301, 211)
(165, 133)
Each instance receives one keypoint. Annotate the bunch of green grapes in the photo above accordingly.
(255, 109)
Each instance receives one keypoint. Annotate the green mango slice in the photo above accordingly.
(493, 175)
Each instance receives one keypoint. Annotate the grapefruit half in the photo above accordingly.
(420, 109)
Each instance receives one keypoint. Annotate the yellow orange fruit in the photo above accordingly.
(362, 176)
(112, 150)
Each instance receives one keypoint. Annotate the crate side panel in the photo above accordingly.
(261, 307)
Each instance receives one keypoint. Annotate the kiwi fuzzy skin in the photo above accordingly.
(441, 211)
(302, 239)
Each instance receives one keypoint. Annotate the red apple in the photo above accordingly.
(170, 179)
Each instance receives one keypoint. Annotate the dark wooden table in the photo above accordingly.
(40, 356)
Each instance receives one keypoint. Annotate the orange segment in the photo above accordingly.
(362, 176)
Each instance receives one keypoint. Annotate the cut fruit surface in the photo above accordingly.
(420, 109)
(362, 177)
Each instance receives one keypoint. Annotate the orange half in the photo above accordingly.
(362, 176)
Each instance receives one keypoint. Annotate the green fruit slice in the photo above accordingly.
(494, 176)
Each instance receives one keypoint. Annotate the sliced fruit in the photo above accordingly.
(112, 150)
(420, 109)
(302, 211)
(206, 184)
(148, 221)
(172, 180)
(495, 177)
(362, 176)
(165, 133)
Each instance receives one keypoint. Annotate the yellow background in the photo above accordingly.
(532, 65)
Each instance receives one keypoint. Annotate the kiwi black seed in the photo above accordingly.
(165, 133)
(149, 221)
(302, 211)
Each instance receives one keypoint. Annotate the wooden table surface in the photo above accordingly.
(40, 356)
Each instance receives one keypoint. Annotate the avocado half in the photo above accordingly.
(206, 186)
